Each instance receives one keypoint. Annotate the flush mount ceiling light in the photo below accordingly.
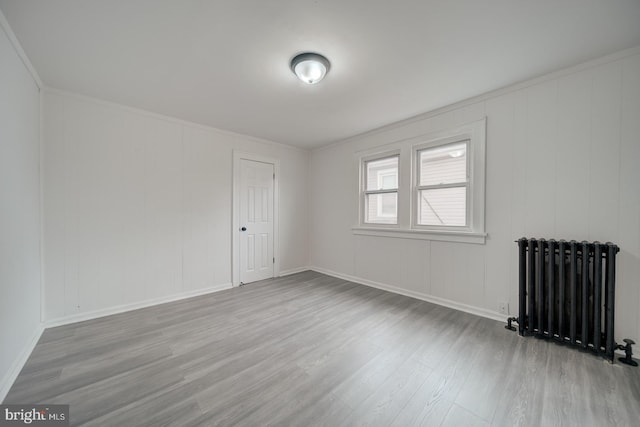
(310, 67)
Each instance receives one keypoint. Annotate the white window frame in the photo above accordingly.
(468, 184)
(364, 192)
(407, 226)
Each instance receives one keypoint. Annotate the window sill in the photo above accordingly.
(404, 233)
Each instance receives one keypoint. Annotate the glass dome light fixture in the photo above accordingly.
(310, 67)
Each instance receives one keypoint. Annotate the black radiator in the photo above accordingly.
(567, 293)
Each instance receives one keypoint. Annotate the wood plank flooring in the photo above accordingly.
(313, 350)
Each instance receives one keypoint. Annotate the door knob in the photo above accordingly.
(243, 229)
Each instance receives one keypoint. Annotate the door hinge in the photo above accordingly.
(274, 176)
(274, 260)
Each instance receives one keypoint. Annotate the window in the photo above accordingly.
(427, 187)
(381, 190)
(443, 185)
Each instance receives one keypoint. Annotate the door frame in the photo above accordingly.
(238, 156)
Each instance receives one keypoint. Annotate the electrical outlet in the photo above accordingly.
(503, 307)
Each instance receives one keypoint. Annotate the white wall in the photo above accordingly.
(19, 212)
(563, 156)
(137, 207)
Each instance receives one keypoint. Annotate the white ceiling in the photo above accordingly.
(225, 63)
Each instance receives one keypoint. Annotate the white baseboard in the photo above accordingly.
(80, 317)
(483, 312)
(9, 378)
(293, 271)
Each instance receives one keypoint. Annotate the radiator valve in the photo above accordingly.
(628, 352)
(509, 326)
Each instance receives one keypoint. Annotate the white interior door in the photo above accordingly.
(256, 220)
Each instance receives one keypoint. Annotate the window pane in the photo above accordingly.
(446, 164)
(381, 208)
(443, 206)
(382, 174)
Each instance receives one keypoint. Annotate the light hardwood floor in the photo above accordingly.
(310, 349)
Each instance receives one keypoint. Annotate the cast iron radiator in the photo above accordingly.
(567, 294)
